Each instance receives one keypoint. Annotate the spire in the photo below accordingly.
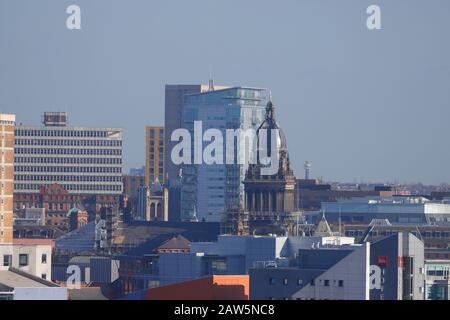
(323, 228)
(211, 81)
(270, 109)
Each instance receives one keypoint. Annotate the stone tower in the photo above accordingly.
(269, 198)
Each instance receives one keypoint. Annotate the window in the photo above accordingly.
(285, 281)
(44, 276)
(7, 260)
(272, 281)
(44, 258)
(299, 281)
(23, 260)
(341, 283)
(312, 282)
(326, 283)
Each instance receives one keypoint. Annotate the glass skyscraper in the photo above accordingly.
(207, 190)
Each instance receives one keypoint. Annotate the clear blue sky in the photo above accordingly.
(358, 104)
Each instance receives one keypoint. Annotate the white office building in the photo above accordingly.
(82, 160)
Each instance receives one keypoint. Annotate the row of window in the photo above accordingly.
(58, 178)
(23, 259)
(70, 169)
(62, 133)
(91, 152)
(299, 282)
(152, 133)
(68, 160)
(425, 234)
(71, 187)
(66, 142)
(438, 270)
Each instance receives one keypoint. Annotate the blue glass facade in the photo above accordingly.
(208, 189)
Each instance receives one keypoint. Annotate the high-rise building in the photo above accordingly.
(82, 160)
(154, 154)
(208, 189)
(7, 122)
(174, 100)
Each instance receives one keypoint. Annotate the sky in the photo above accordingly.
(359, 104)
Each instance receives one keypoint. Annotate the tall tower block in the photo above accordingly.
(7, 123)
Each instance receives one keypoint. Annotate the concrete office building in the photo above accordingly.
(82, 160)
(154, 154)
(7, 123)
(208, 189)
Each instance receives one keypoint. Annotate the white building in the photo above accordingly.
(82, 160)
(33, 259)
(19, 285)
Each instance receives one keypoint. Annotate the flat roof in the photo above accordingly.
(225, 89)
(7, 117)
(75, 128)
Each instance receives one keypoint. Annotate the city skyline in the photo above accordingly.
(242, 152)
(381, 117)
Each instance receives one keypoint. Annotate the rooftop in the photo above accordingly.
(14, 278)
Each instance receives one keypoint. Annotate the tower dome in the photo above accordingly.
(268, 125)
(270, 193)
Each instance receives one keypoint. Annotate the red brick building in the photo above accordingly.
(57, 202)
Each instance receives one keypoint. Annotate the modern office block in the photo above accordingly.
(82, 160)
